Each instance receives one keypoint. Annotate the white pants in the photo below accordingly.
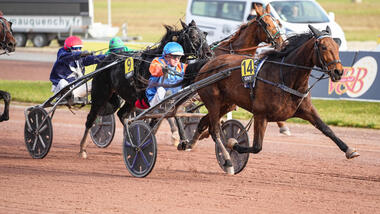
(81, 91)
(160, 95)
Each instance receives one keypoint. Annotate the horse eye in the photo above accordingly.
(324, 47)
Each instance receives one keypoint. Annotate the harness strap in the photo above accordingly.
(285, 88)
(241, 50)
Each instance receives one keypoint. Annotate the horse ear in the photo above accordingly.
(192, 23)
(315, 31)
(1, 13)
(328, 30)
(183, 24)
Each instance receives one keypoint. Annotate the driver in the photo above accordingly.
(170, 59)
(70, 64)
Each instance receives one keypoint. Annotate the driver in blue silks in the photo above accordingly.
(170, 59)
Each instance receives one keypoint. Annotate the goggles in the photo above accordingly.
(76, 48)
(175, 56)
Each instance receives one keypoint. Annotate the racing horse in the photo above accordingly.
(111, 82)
(281, 90)
(8, 44)
(263, 28)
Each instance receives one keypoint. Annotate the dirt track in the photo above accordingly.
(303, 173)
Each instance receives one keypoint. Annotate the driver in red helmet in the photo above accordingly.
(70, 64)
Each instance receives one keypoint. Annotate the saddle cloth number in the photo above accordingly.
(248, 68)
(128, 65)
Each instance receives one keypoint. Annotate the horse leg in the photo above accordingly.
(100, 96)
(215, 131)
(174, 131)
(202, 131)
(91, 117)
(313, 117)
(124, 111)
(260, 125)
(7, 99)
(202, 126)
(283, 128)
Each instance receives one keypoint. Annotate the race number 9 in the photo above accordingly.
(128, 65)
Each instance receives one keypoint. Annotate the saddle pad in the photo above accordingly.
(249, 71)
(128, 67)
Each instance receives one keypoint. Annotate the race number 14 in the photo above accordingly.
(247, 68)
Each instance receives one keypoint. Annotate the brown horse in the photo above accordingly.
(8, 44)
(7, 41)
(280, 93)
(264, 28)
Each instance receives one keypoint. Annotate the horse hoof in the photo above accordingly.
(285, 131)
(181, 146)
(83, 154)
(231, 142)
(175, 139)
(230, 170)
(352, 153)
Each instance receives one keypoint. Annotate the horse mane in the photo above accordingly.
(292, 43)
(157, 50)
(237, 33)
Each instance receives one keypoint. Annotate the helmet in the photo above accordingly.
(173, 48)
(72, 41)
(116, 43)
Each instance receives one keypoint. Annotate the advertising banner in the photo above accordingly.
(359, 81)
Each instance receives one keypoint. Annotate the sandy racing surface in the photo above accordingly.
(302, 173)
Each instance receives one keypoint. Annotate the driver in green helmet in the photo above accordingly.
(116, 45)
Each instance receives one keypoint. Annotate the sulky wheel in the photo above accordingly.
(103, 130)
(234, 129)
(38, 132)
(139, 149)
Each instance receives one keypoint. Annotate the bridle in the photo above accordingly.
(323, 63)
(195, 52)
(5, 30)
(272, 37)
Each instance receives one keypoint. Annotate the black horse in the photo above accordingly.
(8, 44)
(111, 83)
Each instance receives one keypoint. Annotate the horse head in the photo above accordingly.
(7, 41)
(327, 53)
(194, 41)
(270, 26)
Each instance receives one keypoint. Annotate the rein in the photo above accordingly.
(231, 50)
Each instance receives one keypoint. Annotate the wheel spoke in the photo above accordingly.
(43, 128)
(134, 160)
(42, 141)
(149, 141)
(145, 160)
(34, 144)
(128, 144)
